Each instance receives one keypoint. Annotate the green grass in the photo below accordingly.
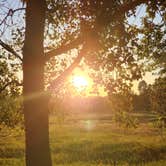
(91, 142)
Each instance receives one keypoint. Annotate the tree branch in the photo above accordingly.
(18, 9)
(62, 76)
(63, 48)
(10, 13)
(9, 83)
(9, 49)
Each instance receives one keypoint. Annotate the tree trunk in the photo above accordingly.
(35, 101)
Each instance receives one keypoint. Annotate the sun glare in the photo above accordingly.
(82, 84)
(80, 81)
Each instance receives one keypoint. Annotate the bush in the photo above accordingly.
(125, 119)
(10, 111)
(158, 96)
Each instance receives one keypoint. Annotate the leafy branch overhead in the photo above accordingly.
(113, 42)
(10, 50)
(15, 82)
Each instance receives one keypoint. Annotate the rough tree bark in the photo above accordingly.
(35, 101)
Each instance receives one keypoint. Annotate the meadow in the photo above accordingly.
(93, 140)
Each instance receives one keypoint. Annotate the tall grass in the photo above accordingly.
(91, 142)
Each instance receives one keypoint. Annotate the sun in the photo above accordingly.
(80, 82)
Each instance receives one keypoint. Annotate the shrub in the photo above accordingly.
(125, 119)
(10, 111)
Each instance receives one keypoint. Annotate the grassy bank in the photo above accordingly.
(92, 142)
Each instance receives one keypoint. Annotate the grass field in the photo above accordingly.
(92, 140)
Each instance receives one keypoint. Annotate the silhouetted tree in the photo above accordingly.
(142, 87)
(158, 95)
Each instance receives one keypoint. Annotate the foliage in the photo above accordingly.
(142, 87)
(10, 101)
(121, 102)
(158, 95)
(113, 59)
(141, 102)
(122, 107)
(125, 120)
(10, 111)
(159, 123)
(152, 46)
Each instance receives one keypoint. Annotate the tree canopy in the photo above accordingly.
(114, 45)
